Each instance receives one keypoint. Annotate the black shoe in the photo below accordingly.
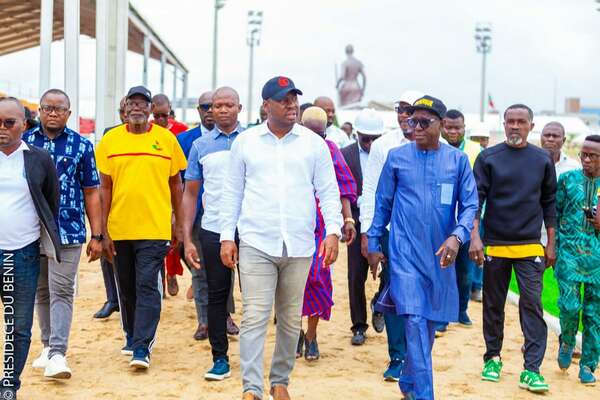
(107, 309)
(377, 319)
(300, 344)
(359, 338)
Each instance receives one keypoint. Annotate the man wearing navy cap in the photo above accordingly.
(421, 186)
(275, 171)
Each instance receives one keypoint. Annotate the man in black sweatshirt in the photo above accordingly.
(517, 183)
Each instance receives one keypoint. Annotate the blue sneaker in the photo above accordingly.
(127, 350)
(565, 356)
(586, 376)
(392, 373)
(464, 319)
(219, 371)
(140, 359)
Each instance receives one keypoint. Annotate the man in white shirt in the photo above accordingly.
(394, 324)
(332, 133)
(553, 139)
(29, 194)
(275, 171)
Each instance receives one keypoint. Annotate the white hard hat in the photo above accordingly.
(410, 96)
(369, 122)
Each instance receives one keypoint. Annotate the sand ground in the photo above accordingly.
(344, 371)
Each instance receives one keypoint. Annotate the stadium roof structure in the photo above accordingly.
(20, 28)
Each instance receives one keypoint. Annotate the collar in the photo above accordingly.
(39, 131)
(219, 132)
(22, 148)
(293, 131)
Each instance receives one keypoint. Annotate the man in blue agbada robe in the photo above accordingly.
(428, 194)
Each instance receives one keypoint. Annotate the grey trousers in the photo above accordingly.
(54, 298)
(200, 285)
(265, 279)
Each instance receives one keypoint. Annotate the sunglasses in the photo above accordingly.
(402, 109)
(8, 123)
(368, 139)
(593, 157)
(205, 107)
(424, 122)
(59, 110)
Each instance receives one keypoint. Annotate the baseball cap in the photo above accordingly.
(141, 90)
(429, 103)
(278, 87)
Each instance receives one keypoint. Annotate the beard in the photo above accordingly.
(514, 140)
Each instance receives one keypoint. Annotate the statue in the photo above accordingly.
(349, 90)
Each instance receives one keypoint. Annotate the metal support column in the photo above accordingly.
(71, 24)
(46, 25)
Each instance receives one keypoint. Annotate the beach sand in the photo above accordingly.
(343, 372)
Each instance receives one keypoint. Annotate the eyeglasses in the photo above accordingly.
(402, 109)
(424, 122)
(138, 104)
(59, 110)
(8, 123)
(592, 156)
(205, 107)
(160, 115)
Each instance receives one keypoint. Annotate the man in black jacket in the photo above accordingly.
(517, 181)
(29, 195)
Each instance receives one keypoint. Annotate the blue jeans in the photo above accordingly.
(19, 274)
(394, 324)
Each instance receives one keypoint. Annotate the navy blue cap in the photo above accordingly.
(429, 103)
(141, 90)
(278, 87)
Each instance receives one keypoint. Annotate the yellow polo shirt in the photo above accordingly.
(140, 166)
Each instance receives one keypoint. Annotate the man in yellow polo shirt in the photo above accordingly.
(517, 182)
(141, 190)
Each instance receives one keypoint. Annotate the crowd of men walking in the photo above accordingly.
(440, 219)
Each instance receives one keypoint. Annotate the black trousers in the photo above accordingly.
(137, 267)
(358, 270)
(108, 275)
(218, 277)
(496, 278)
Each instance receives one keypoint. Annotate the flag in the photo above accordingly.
(491, 102)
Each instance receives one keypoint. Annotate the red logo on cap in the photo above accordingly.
(283, 82)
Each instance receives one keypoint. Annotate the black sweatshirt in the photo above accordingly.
(518, 187)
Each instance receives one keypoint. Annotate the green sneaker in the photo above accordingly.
(533, 382)
(491, 370)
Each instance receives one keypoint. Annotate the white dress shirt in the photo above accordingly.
(377, 156)
(270, 187)
(18, 218)
(337, 136)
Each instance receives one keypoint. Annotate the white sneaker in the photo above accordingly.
(42, 360)
(57, 368)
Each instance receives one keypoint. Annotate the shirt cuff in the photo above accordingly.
(461, 234)
(365, 224)
(227, 234)
(333, 229)
(374, 244)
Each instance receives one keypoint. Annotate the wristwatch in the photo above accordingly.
(458, 240)
(99, 237)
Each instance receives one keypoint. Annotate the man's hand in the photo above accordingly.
(329, 249)
(108, 249)
(550, 253)
(476, 249)
(364, 245)
(229, 254)
(94, 250)
(448, 251)
(349, 231)
(375, 259)
(191, 255)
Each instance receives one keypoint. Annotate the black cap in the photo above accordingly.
(429, 103)
(141, 90)
(278, 87)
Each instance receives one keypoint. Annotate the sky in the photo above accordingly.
(539, 47)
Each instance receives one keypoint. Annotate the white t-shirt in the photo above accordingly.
(18, 218)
